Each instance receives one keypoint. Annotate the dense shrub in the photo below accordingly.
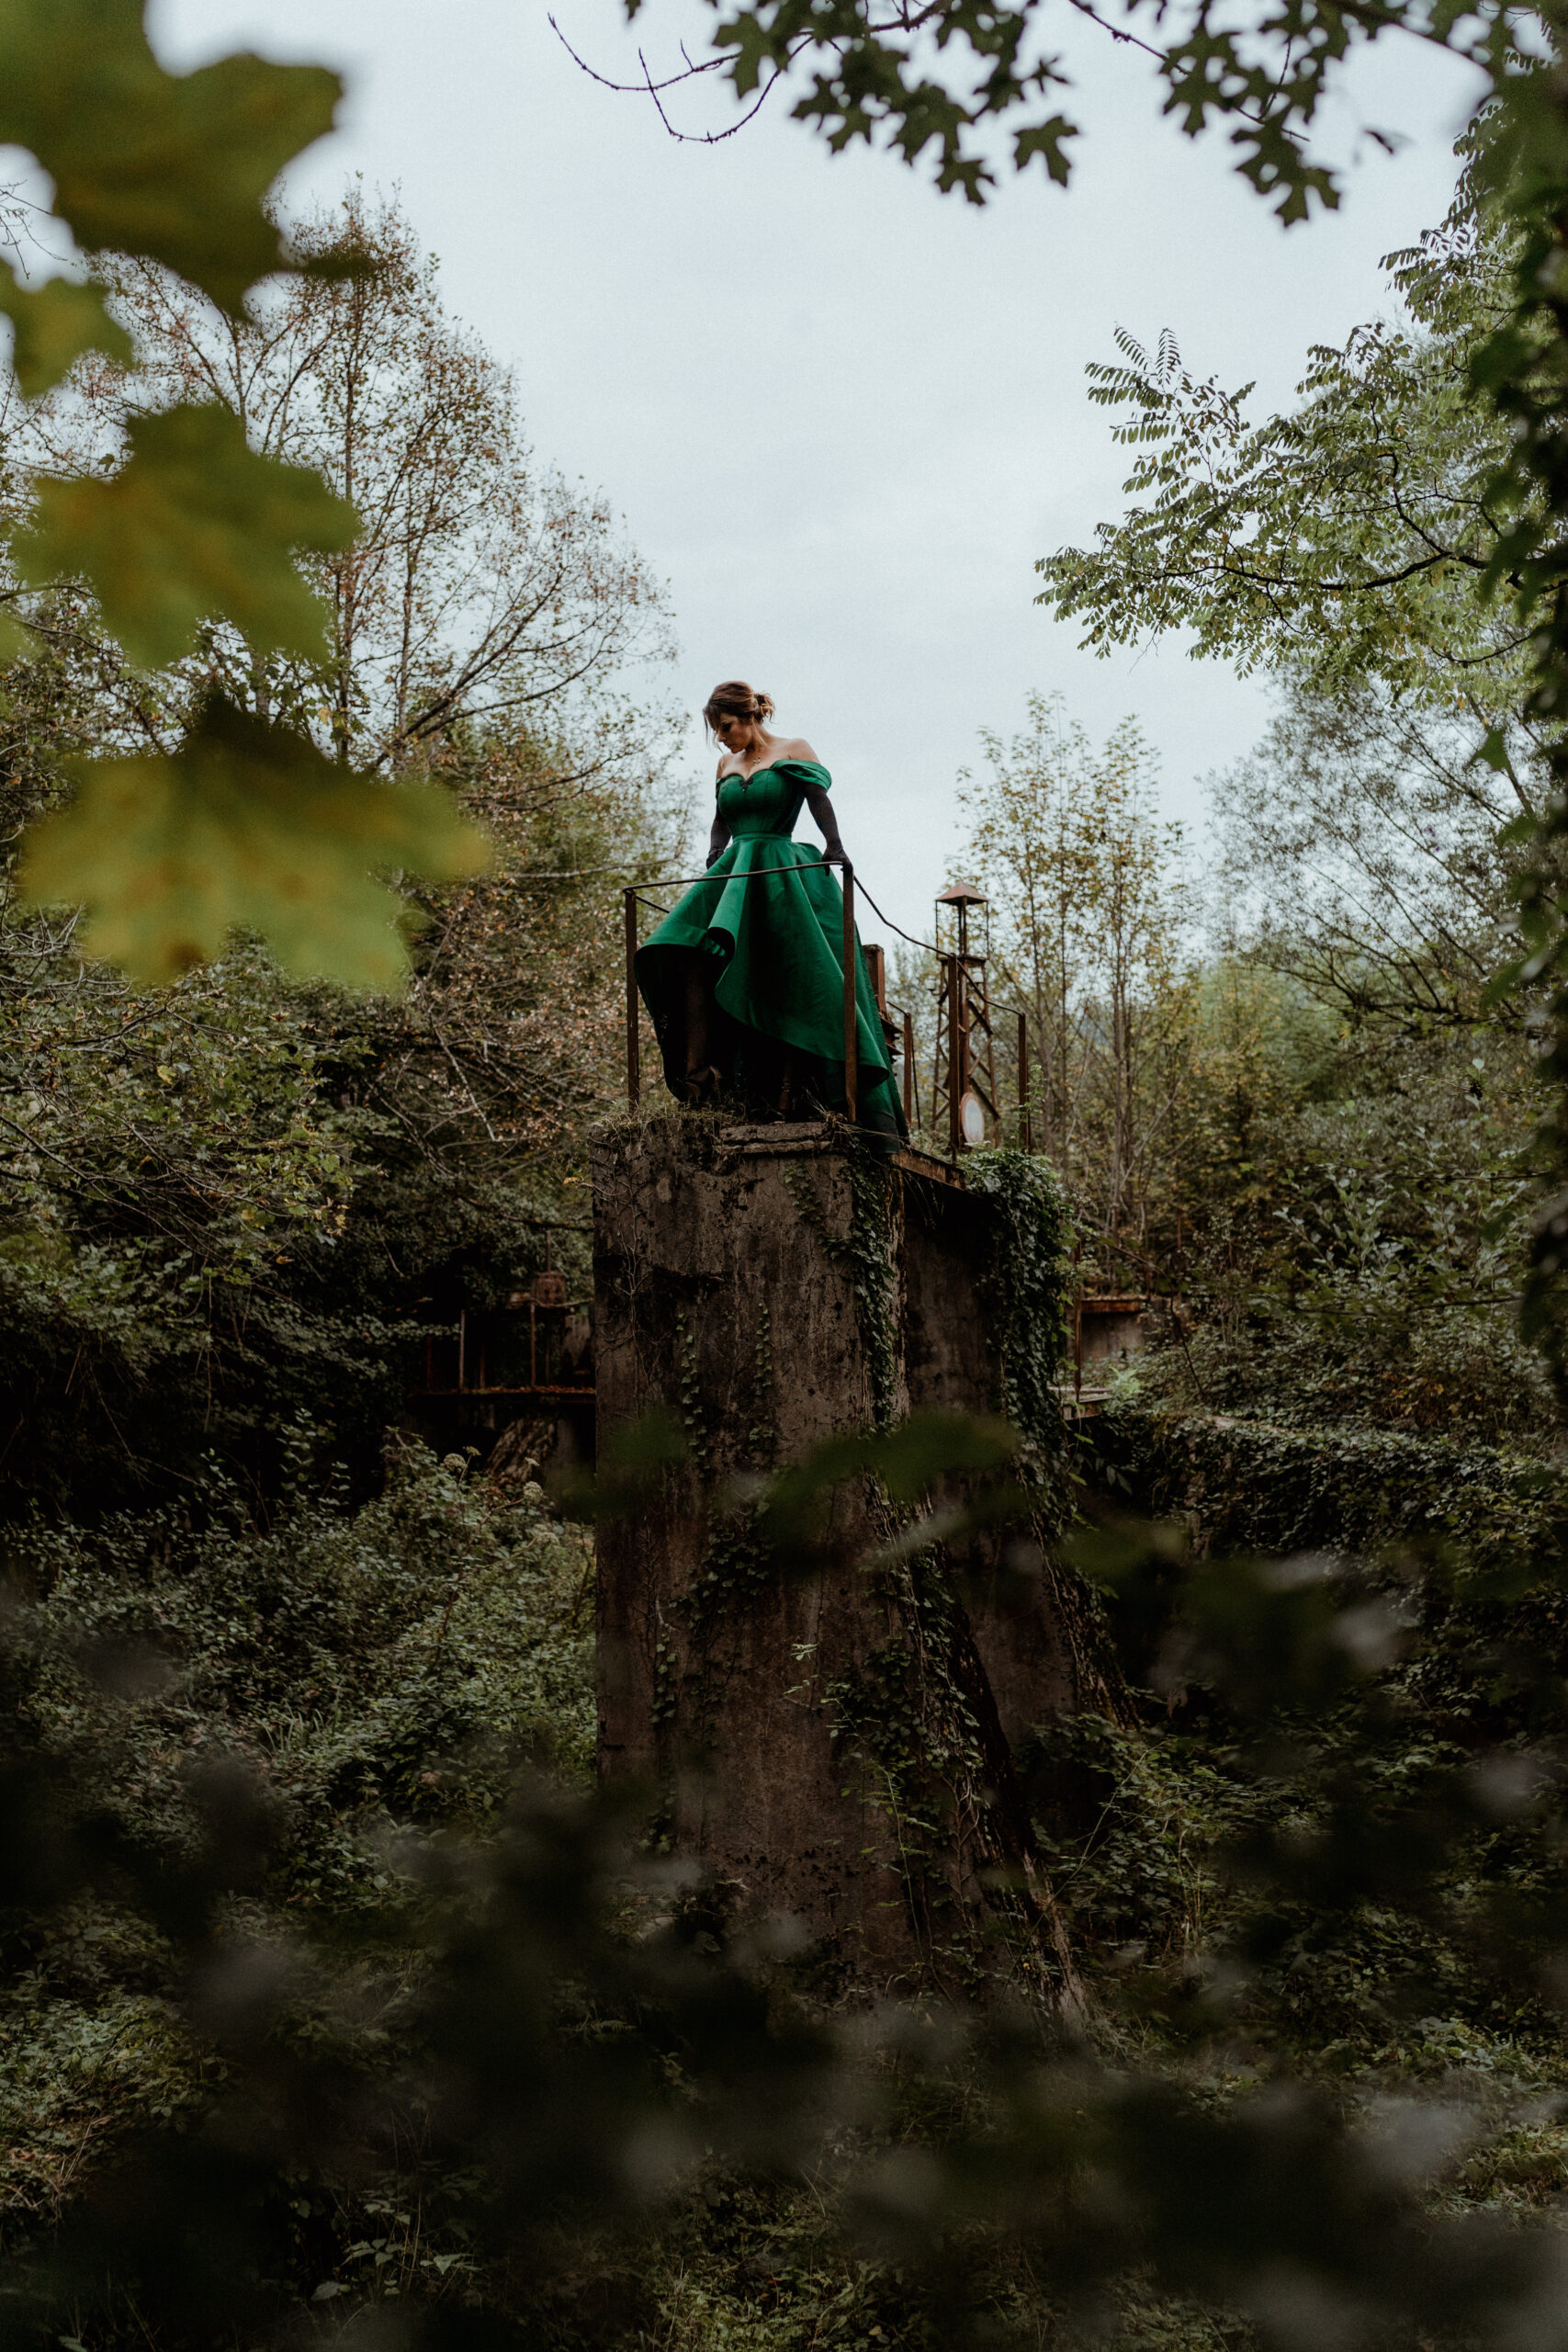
(370, 1670)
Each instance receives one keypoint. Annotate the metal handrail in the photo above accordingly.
(634, 895)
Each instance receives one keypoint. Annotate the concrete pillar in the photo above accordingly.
(831, 1744)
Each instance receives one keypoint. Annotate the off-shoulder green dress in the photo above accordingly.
(776, 943)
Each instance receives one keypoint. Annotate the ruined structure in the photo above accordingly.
(833, 1737)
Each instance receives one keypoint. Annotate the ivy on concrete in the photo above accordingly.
(1252, 1485)
(1028, 1276)
(865, 1255)
(912, 1720)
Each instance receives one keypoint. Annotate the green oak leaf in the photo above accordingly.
(173, 165)
(195, 527)
(52, 325)
(247, 826)
(1049, 142)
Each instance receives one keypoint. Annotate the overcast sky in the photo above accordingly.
(843, 415)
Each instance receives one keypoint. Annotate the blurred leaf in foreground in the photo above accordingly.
(246, 825)
(195, 527)
(172, 165)
(628, 1470)
(52, 325)
(909, 1460)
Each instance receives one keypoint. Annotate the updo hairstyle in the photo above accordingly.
(736, 699)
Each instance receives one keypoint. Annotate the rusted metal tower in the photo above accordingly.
(963, 1072)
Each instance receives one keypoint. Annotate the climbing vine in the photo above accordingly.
(738, 1561)
(912, 1718)
(865, 1255)
(1026, 1286)
(915, 1713)
(1026, 1282)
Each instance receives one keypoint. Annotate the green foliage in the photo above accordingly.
(449, 2030)
(476, 580)
(1252, 1486)
(1026, 1294)
(478, 585)
(1087, 904)
(522, 2074)
(1347, 541)
(1367, 859)
(392, 1662)
(176, 167)
(1353, 1241)
(195, 524)
(1334, 1836)
(52, 325)
(1307, 1145)
(237, 1199)
(195, 527)
(943, 76)
(246, 827)
(389, 1665)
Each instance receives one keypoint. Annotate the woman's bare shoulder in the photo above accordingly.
(798, 748)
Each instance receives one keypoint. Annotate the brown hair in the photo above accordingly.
(736, 699)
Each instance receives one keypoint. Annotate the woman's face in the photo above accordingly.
(735, 734)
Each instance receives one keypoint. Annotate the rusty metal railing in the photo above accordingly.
(951, 964)
(633, 896)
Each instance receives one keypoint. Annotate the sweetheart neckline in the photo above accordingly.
(734, 776)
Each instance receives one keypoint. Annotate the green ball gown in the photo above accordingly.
(776, 947)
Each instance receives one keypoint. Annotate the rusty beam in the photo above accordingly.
(852, 1058)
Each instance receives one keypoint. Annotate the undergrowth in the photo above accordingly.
(374, 1672)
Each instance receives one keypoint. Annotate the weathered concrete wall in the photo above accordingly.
(778, 1711)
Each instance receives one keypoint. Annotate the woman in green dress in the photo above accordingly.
(744, 978)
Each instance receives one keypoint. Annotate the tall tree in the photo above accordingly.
(1088, 911)
(1346, 539)
(1365, 854)
(480, 588)
(1345, 547)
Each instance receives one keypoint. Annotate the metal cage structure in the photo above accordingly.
(963, 1060)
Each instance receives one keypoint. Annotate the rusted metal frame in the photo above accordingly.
(944, 958)
(852, 961)
(939, 1040)
(977, 1017)
(955, 1056)
(911, 1080)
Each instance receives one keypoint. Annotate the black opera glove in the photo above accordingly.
(718, 841)
(827, 824)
